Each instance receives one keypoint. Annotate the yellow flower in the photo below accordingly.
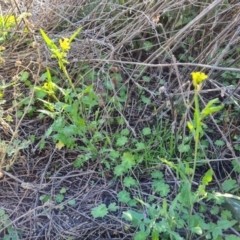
(64, 44)
(198, 78)
(2, 48)
(59, 145)
(49, 88)
(6, 22)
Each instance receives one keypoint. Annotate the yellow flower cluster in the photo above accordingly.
(198, 78)
(64, 44)
(6, 22)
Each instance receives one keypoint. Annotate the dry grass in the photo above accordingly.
(206, 33)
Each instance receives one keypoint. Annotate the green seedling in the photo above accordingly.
(102, 210)
(8, 232)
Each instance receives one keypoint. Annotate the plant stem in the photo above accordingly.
(67, 76)
(197, 120)
(197, 123)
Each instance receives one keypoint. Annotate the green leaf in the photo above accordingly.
(99, 211)
(212, 228)
(146, 79)
(44, 198)
(182, 57)
(197, 230)
(233, 205)
(140, 236)
(215, 210)
(190, 126)
(222, 225)
(230, 185)
(124, 196)
(43, 76)
(61, 208)
(72, 202)
(219, 143)
(146, 131)
(91, 75)
(162, 226)
(182, 148)
(132, 203)
(195, 222)
(236, 165)
(161, 188)
(128, 160)
(121, 141)
(133, 216)
(24, 76)
(69, 130)
(232, 237)
(47, 40)
(40, 93)
(75, 34)
(145, 100)
(155, 235)
(157, 174)
(226, 215)
(112, 207)
(145, 204)
(119, 170)
(140, 145)
(59, 198)
(78, 162)
(151, 198)
(63, 190)
(209, 110)
(207, 178)
(147, 45)
(129, 181)
(125, 132)
(186, 193)
(236, 147)
(114, 154)
(2, 212)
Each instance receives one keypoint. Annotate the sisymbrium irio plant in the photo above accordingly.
(60, 52)
(196, 126)
(6, 24)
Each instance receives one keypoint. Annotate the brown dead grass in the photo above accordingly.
(109, 30)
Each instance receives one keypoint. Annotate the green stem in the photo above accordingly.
(67, 76)
(197, 124)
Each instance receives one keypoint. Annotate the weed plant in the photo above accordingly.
(166, 219)
(159, 191)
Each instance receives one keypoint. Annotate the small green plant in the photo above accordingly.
(9, 233)
(9, 151)
(72, 202)
(168, 219)
(60, 196)
(44, 198)
(71, 112)
(102, 210)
